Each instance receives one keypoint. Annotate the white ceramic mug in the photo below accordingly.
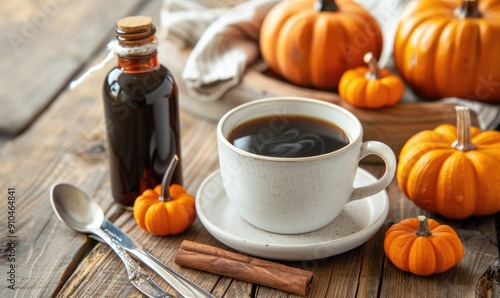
(298, 194)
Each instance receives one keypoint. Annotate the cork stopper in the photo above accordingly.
(135, 30)
(134, 24)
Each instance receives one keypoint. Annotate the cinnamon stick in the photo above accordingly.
(222, 262)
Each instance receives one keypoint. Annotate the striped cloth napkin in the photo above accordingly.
(224, 35)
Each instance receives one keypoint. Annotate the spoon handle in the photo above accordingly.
(181, 284)
(138, 277)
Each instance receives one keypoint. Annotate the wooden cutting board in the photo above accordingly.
(393, 126)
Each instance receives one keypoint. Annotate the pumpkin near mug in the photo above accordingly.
(295, 193)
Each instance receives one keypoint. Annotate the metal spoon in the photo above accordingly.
(80, 213)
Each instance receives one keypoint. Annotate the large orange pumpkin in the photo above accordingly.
(446, 48)
(311, 43)
(453, 171)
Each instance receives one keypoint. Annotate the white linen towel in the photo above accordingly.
(222, 51)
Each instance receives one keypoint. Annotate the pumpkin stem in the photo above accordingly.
(167, 178)
(468, 9)
(326, 5)
(463, 142)
(423, 227)
(371, 61)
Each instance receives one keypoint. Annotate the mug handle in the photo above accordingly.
(387, 155)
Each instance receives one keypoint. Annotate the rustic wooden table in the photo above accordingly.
(52, 134)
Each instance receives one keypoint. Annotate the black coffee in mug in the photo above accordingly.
(288, 136)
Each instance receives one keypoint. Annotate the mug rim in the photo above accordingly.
(330, 105)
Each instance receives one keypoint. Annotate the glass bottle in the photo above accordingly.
(141, 112)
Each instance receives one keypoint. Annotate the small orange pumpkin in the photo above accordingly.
(313, 42)
(165, 217)
(453, 171)
(371, 87)
(423, 246)
(163, 211)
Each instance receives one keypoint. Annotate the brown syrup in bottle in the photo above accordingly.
(142, 123)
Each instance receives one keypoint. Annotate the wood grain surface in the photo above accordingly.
(46, 42)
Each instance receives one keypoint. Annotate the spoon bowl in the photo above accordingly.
(75, 208)
(81, 213)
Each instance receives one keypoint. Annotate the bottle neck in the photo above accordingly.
(137, 50)
(138, 64)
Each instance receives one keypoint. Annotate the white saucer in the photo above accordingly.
(355, 225)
